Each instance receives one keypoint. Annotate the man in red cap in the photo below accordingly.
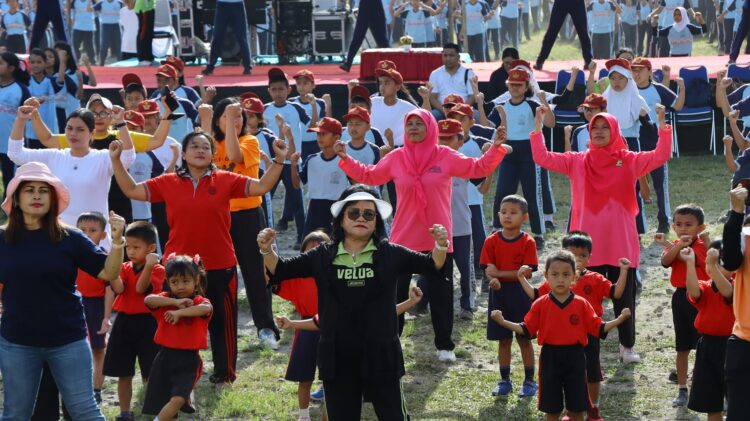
(229, 13)
(328, 180)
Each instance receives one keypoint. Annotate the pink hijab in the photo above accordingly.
(601, 186)
(421, 156)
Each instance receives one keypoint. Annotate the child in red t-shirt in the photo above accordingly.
(714, 323)
(133, 331)
(503, 253)
(562, 321)
(183, 316)
(97, 298)
(688, 224)
(594, 287)
(303, 293)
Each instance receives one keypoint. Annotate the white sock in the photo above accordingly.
(548, 218)
(304, 413)
(156, 418)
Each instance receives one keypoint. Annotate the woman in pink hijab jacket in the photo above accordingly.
(603, 200)
(422, 172)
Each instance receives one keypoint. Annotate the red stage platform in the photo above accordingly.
(330, 74)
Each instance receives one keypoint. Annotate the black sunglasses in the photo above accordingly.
(355, 213)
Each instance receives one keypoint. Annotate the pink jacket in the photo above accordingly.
(613, 228)
(409, 230)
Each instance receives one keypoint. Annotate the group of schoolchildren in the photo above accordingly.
(160, 306)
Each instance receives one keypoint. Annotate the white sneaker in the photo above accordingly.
(446, 356)
(144, 63)
(268, 339)
(629, 356)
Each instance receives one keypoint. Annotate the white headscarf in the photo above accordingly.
(625, 105)
(683, 23)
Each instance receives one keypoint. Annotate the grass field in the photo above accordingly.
(461, 391)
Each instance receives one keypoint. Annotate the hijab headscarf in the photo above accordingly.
(599, 161)
(421, 156)
(624, 105)
(683, 23)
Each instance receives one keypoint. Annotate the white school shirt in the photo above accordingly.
(444, 83)
(323, 177)
(87, 178)
(384, 117)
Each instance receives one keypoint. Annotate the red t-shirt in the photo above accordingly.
(509, 254)
(188, 333)
(130, 301)
(302, 292)
(198, 217)
(715, 314)
(90, 287)
(567, 323)
(679, 269)
(592, 286)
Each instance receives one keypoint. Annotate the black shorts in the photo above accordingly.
(562, 375)
(93, 309)
(736, 375)
(132, 337)
(683, 318)
(593, 365)
(707, 389)
(175, 373)
(513, 302)
(303, 357)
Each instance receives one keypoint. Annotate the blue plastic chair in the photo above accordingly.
(697, 115)
(603, 73)
(737, 71)
(657, 75)
(566, 117)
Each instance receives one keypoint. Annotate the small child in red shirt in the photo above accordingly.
(688, 224)
(183, 316)
(594, 287)
(562, 321)
(97, 298)
(133, 331)
(714, 323)
(303, 293)
(503, 253)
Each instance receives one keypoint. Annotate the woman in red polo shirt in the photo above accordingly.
(198, 212)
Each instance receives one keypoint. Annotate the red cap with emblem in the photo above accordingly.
(518, 75)
(253, 105)
(129, 78)
(175, 62)
(449, 127)
(594, 101)
(167, 71)
(327, 125)
(358, 112)
(519, 62)
(362, 92)
(453, 99)
(306, 74)
(641, 62)
(148, 107)
(135, 118)
(462, 109)
(247, 95)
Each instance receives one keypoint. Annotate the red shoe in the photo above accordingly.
(594, 415)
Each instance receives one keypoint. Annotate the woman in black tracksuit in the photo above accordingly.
(359, 353)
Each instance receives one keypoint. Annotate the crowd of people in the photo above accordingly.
(179, 184)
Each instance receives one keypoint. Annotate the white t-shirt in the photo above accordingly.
(391, 117)
(444, 84)
(129, 26)
(87, 178)
(143, 168)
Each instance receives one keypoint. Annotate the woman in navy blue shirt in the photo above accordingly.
(42, 318)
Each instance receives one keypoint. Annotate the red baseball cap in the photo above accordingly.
(617, 62)
(452, 99)
(449, 127)
(148, 107)
(358, 112)
(167, 71)
(276, 72)
(519, 62)
(253, 105)
(463, 109)
(175, 62)
(517, 75)
(641, 62)
(129, 78)
(362, 92)
(390, 73)
(386, 65)
(135, 118)
(594, 101)
(304, 73)
(327, 125)
(247, 95)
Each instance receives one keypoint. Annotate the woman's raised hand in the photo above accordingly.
(115, 150)
(266, 238)
(340, 148)
(440, 234)
(117, 227)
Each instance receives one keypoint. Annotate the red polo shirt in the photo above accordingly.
(715, 313)
(592, 286)
(557, 323)
(188, 333)
(302, 292)
(130, 301)
(198, 216)
(679, 269)
(90, 287)
(510, 254)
